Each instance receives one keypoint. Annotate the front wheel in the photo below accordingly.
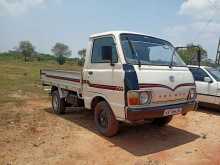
(105, 120)
(162, 121)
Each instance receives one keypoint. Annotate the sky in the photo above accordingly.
(45, 22)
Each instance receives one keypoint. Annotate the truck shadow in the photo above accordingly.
(210, 110)
(138, 140)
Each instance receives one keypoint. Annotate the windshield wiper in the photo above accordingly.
(134, 51)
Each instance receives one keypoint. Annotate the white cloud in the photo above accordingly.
(204, 28)
(17, 7)
(196, 32)
(201, 9)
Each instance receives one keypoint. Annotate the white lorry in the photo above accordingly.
(128, 77)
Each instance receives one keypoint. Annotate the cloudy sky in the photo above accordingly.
(45, 22)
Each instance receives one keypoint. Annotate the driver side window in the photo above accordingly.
(98, 44)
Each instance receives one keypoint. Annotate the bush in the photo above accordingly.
(61, 60)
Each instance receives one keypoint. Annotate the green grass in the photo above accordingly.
(19, 79)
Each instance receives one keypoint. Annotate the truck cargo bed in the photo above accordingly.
(69, 80)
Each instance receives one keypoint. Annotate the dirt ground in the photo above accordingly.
(31, 134)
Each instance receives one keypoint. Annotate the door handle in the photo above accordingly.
(90, 72)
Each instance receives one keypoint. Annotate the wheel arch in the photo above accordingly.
(53, 88)
(61, 92)
(96, 100)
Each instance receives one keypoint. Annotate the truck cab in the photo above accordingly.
(131, 77)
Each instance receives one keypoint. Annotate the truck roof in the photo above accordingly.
(113, 33)
(117, 33)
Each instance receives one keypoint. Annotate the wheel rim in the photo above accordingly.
(55, 103)
(103, 119)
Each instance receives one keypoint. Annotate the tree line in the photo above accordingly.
(189, 55)
(60, 50)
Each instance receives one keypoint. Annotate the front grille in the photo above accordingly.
(169, 101)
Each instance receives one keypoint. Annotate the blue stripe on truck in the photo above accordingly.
(130, 79)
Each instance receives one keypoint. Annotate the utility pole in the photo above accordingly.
(218, 54)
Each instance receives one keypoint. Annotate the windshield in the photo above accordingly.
(144, 50)
(215, 73)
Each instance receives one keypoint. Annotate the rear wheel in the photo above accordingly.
(58, 103)
(105, 120)
(162, 121)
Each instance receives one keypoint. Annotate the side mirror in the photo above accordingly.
(107, 54)
(208, 79)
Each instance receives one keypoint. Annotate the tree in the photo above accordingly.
(209, 62)
(61, 51)
(82, 55)
(26, 49)
(189, 54)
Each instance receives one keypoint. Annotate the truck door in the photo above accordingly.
(105, 76)
(206, 90)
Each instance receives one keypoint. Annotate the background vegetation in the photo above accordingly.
(189, 54)
(61, 54)
(20, 79)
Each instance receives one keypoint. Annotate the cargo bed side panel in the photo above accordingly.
(64, 79)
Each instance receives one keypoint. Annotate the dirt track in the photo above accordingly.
(31, 134)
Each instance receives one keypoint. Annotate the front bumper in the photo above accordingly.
(136, 114)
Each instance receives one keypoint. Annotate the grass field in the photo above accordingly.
(19, 79)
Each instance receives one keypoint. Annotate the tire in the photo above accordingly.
(58, 103)
(162, 121)
(105, 120)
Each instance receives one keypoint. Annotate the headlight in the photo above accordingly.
(192, 94)
(139, 97)
(144, 97)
